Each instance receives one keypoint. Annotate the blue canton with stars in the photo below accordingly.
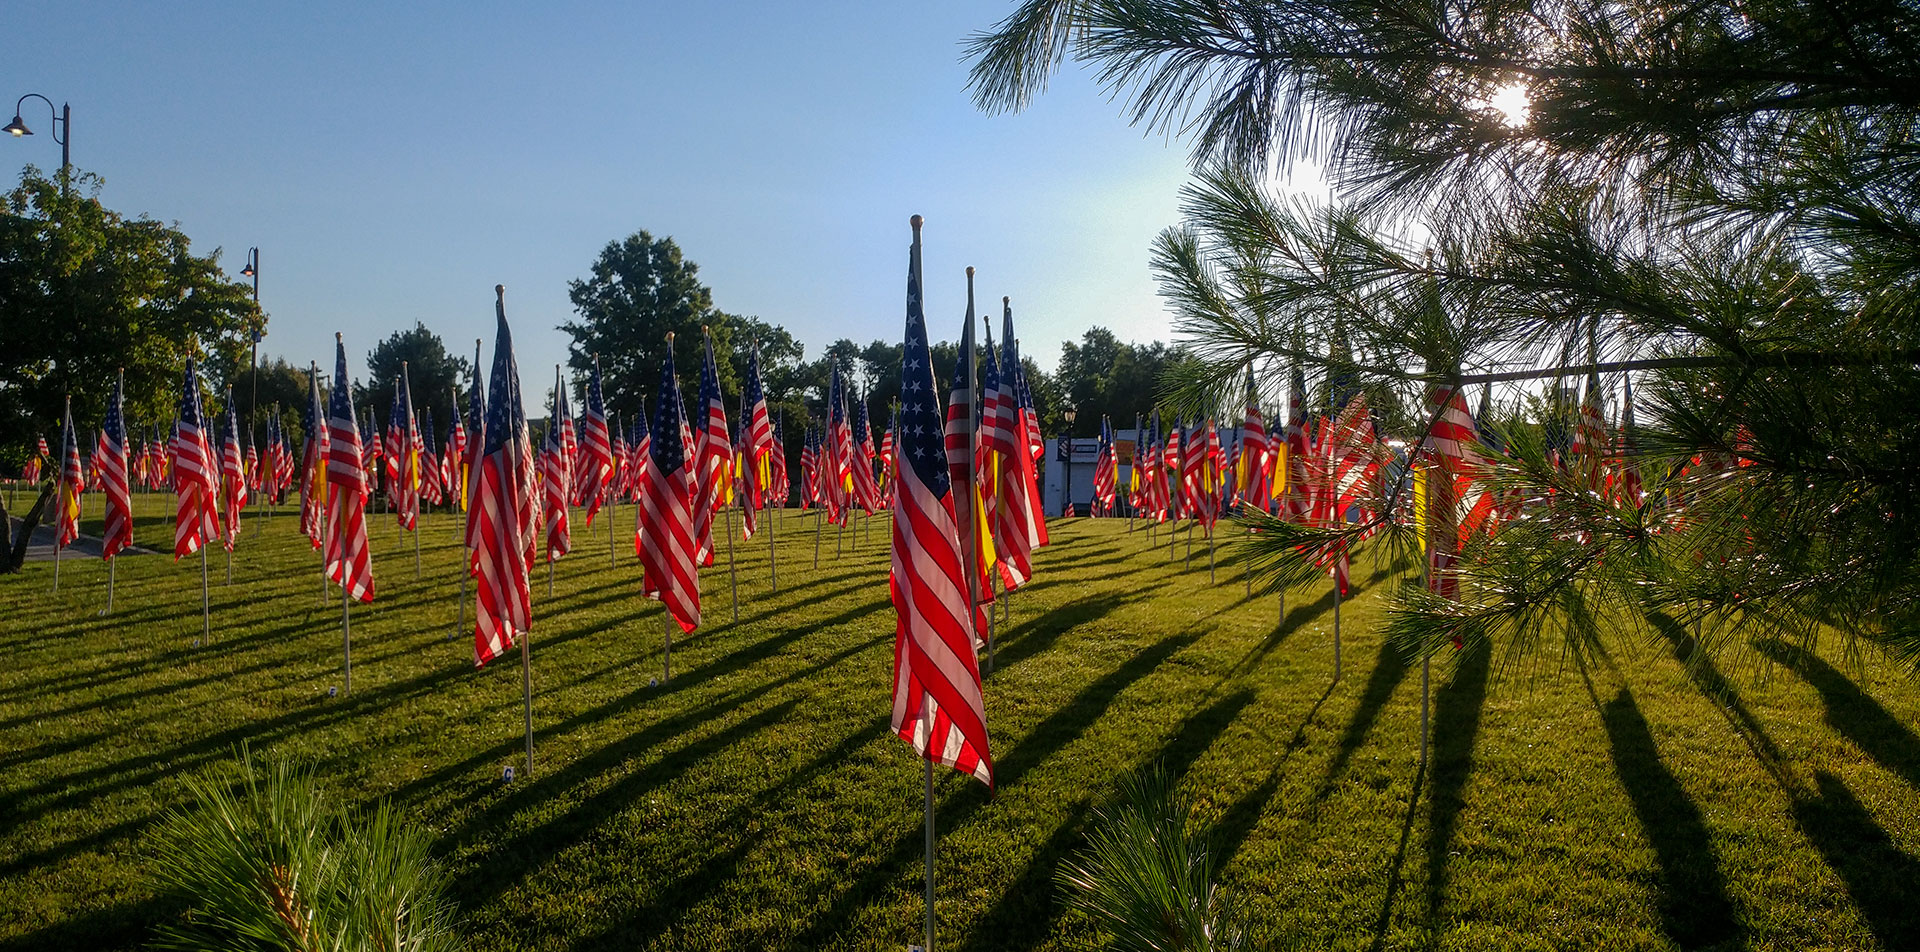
(669, 450)
(921, 443)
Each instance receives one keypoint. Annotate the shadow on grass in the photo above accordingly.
(1456, 725)
(1237, 823)
(124, 925)
(1024, 916)
(1852, 712)
(1389, 669)
(1882, 879)
(1695, 910)
(1394, 880)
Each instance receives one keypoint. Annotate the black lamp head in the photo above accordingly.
(18, 128)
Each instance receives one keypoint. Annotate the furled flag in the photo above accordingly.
(1256, 458)
(809, 469)
(313, 465)
(756, 436)
(781, 487)
(252, 465)
(502, 481)
(555, 475)
(1458, 502)
(1106, 471)
(1194, 473)
(110, 454)
(937, 702)
(476, 447)
(1016, 510)
(667, 571)
(1591, 448)
(196, 473)
(865, 487)
(1629, 450)
(640, 452)
(233, 475)
(72, 483)
(431, 488)
(713, 457)
(349, 560)
(743, 474)
(1176, 475)
(1293, 485)
(593, 475)
(158, 460)
(403, 455)
(453, 467)
(370, 454)
(32, 472)
(836, 459)
(962, 427)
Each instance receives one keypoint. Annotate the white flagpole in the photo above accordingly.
(206, 611)
(928, 947)
(733, 571)
(773, 514)
(1336, 628)
(526, 687)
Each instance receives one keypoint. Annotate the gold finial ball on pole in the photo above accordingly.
(336, 337)
(916, 221)
(1005, 300)
(669, 337)
(969, 271)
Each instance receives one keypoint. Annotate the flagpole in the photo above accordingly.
(666, 653)
(346, 626)
(412, 461)
(526, 687)
(1336, 628)
(66, 427)
(733, 571)
(930, 916)
(819, 526)
(112, 564)
(206, 611)
(1210, 579)
(773, 518)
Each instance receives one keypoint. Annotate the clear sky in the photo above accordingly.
(394, 162)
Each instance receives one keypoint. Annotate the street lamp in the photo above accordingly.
(1066, 463)
(62, 131)
(252, 270)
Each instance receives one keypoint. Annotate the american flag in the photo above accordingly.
(196, 473)
(745, 473)
(253, 465)
(836, 458)
(110, 455)
(349, 561)
(1590, 443)
(475, 444)
(594, 476)
(1194, 471)
(1294, 486)
(1459, 503)
(1630, 488)
(429, 461)
(313, 465)
(937, 702)
(1019, 526)
(370, 454)
(233, 475)
(865, 487)
(758, 437)
(713, 457)
(555, 475)
(1106, 477)
(1255, 454)
(72, 483)
(403, 466)
(496, 520)
(779, 463)
(809, 469)
(453, 467)
(640, 456)
(667, 560)
(1176, 470)
(159, 460)
(1153, 474)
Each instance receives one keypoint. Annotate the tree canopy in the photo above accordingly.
(86, 293)
(433, 374)
(639, 290)
(1715, 202)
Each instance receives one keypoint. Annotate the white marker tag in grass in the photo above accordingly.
(509, 777)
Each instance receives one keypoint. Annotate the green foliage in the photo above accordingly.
(1147, 879)
(1722, 192)
(433, 373)
(263, 860)
(1102, 375)
(87, 293)
(641, 289)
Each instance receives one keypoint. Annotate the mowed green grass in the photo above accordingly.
(757, 800)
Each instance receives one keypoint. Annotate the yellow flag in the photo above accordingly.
(1420, 506)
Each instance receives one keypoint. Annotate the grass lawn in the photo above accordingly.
(757, 801)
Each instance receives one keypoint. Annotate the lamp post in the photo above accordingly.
(62, 132)
(252, 270)
(1066, 463)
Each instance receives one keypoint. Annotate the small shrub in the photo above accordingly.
(1146, 880)
(262, 860)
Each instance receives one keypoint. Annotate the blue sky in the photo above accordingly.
(395, 162)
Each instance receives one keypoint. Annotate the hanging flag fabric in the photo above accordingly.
(555, 477)
(640, 445)
(403, 457)
(1458, 501)
(196, 473)
(781, 487)
(757, 436)
(233, 478)
(453, 465)
(1628, 454)
(865, 488)
(809, 470)
(349, 560)
(72, 483)
(1105, 478)
(1016, 508)
(476, 446)
(1255, 453)
(313, 465)
(1294, 486)
(937, 703)
(836, 464)
(110, 454)
(429, 462)
(594, 476)
(498, 511)
(713, 457)
(1588, 454)
(667, 556)
(969, 508)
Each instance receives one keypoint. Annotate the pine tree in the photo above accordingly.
(1720, 199)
